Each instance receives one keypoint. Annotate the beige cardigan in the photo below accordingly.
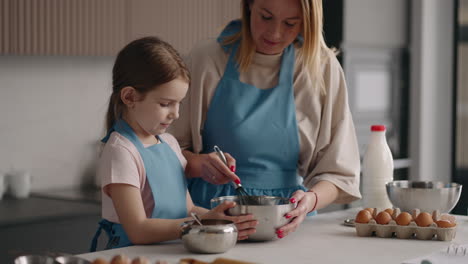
(328, 144)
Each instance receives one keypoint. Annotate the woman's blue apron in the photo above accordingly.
(257, 127)
(166, 178)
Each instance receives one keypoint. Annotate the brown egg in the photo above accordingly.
(389, 211)
(383, 218)
(445, 223)
(371, 210)
(403, 219)
(424, 219)
(120, 259)
(100, 261)
(363, 217)
(140, 260)
(448, 217)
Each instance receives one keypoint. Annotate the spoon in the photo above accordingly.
(197, 219)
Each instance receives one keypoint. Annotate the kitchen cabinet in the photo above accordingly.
(62, 27)
(88, 27)
(40, 225)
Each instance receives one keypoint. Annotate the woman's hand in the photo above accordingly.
(245, 223)
(305, 203)
(211, 168)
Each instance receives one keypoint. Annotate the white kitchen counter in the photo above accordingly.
(320, 239)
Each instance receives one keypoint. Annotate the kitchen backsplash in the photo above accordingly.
(52, 116)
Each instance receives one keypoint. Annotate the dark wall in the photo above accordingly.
(333, 22)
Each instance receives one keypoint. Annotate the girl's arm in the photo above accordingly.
(140, 229)
(192, 208)
(245, 224)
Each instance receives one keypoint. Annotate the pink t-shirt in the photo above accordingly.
(120, 162)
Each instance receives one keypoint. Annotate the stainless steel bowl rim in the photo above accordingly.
(33, 259)
(427, 196)
(423, 184)
(270, 216)
(282, 200)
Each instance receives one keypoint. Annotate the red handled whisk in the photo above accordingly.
(244, 198)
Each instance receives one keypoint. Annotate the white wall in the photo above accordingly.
(432, 85)
(375, 23)
(52, 113)
(375, 34)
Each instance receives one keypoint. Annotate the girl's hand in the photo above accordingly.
(245, 223)
(211, 168)
(305, 202)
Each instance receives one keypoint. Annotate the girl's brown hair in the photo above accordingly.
(310, 53)
(143, 64)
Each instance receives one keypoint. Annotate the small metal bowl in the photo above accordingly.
(426, 196)
(71, 260)
(214, 236)
(269, 211)
(35, 259)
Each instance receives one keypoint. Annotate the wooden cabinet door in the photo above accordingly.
(182, 23)
(62, 27)
(103, 27)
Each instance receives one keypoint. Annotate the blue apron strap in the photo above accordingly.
(116, 234)
(94, 242)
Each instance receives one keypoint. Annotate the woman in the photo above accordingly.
(271, 94)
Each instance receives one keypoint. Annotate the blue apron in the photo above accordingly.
(166, 178)
(256, 126)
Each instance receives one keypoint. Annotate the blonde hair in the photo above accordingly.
(310, 53)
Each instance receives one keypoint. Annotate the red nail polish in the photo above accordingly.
(287, 216)
(233, 168)
(292, 200)
(237, 181)
(280, 236)
(279, 231)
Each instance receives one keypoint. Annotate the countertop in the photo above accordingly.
(320, 239)
(38, 208)
(82, 194)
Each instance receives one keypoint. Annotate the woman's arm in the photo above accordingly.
(210, 167)
(329, 147)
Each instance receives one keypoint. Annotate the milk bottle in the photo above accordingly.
(377, 170)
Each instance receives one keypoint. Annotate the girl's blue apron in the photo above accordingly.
(257, 127)
(166, 178)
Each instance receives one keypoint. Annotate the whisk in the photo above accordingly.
(244, 198)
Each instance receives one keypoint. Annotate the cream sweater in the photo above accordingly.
(328, 144)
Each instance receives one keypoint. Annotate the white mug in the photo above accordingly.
(19, 183)
(3, 184)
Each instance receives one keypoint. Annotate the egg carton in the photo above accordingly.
(392, 229)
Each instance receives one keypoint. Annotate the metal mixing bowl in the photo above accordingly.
(71, 260)
(268, 210)
(424, 195)
(35, 259)
(214, 236)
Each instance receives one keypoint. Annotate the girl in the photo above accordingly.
(144, 194)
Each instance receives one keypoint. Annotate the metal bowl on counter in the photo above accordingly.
(35, 259)
(269, 211)
(427, 196)
(71, 260)
(213, 236)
